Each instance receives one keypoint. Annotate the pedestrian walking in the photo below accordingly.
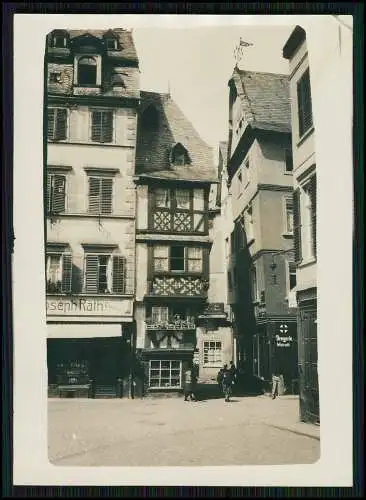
(189, 383)
(220, 377)
(277, 381)
(227, 382)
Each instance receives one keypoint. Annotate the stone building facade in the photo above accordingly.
(261, 279)
(92, 95)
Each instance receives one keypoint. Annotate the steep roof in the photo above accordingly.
(127, 52)
(154, 143)
(266, 99)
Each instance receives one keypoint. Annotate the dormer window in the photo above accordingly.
(59, 40)
(87, 71)
(179, 155)
(111, 44)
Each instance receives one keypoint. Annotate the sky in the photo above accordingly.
(196, 63)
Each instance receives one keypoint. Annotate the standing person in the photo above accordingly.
(188, 385)
(220, 377)
(227, 382)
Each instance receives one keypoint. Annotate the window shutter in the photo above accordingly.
(94, 198)
(297, 225)
(58, 193)
(51, 122)
(48, 193)
(107, 126)
(106, 196)
(60, 125)
(313, 211)
(96, 125)
(91, 273)
(66, 273)
(119, 274)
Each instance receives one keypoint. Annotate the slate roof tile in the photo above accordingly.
(266, 99)
(154, 143)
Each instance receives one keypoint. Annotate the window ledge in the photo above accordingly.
(306, 263)
(305, 136)
(288, 173)
(288, 235)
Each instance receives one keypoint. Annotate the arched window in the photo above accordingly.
(87, 71)
(179, 155)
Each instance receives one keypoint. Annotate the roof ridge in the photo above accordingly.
(244, 71)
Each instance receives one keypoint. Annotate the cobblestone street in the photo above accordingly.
(168, 431)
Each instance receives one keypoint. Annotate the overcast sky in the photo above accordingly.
(198, 63)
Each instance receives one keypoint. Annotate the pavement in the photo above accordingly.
(251, 430)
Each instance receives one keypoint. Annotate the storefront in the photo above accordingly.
(308, 356)
(275, 350)
(89, 347)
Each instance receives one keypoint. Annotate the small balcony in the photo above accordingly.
(171, 325)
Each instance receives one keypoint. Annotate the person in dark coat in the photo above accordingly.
(227, 383)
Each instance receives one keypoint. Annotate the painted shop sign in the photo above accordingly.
(282, 341)
(88, 307)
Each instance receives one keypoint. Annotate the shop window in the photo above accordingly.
(212, 353)
(57, 123)
(165, 374)
(105, 274)
(58, 272)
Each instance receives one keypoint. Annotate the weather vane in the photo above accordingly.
(239, 49)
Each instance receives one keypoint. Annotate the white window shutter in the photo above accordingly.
(58, 193)
(119, 274)
(66, 273)
(106, 196)
(91, 273)
(94, 195)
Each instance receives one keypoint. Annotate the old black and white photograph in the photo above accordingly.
(181, 240)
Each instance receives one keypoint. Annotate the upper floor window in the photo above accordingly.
(56, 123)
(254, 284)
(304, 103)
(105, 273)
(179, 155)
(304, 225)
(56, 193)
(289, 165)
(111, 44)
(58, 272)
(178, 258)
(87, 71)
(250, 224)
(178, 210)
(292, 275)
(59, 40)
(100, 195)
(102, 126)
(289, 215)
